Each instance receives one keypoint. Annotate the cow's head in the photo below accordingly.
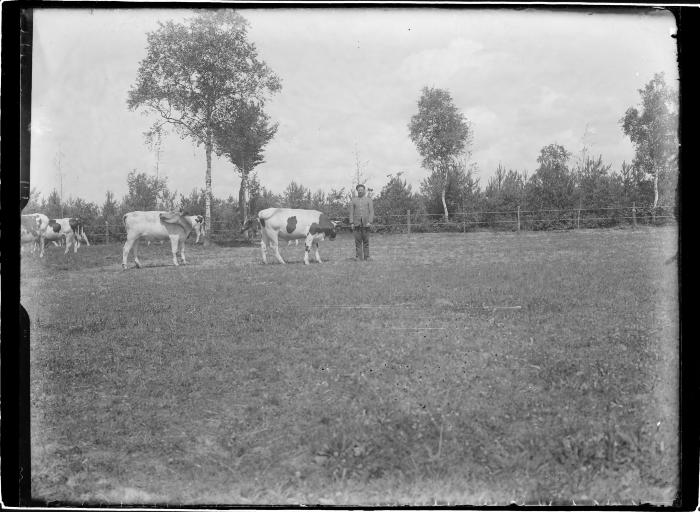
(325, 226)
(252, 224)
(76, 224)
(335, 229)
(198, 225)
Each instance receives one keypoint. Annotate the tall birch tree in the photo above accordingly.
(196, 72)
(441, 134)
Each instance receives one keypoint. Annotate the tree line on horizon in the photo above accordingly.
(204, 79)
(562, 181)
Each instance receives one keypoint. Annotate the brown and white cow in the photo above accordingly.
(159, 226)
(292, 224)
(69, 229)
(32, 231)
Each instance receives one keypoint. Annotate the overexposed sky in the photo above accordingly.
(351, 79)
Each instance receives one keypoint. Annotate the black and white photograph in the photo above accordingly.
(364, 256)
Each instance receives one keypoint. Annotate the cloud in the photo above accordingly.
(436, 66)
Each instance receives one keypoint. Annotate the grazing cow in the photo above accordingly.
(69, 229)
(290, 224)
(32, 230)
(159, 226)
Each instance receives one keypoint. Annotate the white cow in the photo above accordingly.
(159, 226)
(69, 229)
(32, 230)
(291, 224)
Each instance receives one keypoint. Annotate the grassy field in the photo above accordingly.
(474, 368)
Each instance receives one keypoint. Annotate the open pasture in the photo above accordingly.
(474, 368)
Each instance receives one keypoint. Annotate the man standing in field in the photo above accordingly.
(361, 218)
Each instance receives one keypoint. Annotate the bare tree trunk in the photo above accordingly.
(207, 182)
(442, 196)
(243, 199)
(656, 195)
(443, 192)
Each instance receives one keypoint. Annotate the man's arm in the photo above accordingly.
(352, 211)
(371, 211)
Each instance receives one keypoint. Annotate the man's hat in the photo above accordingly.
(359, 185)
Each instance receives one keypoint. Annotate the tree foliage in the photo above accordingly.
(194, 203)
(505, 190)
(145, 193)
(458, 191)
(262, 198)
(597, 186)
(395, 199)
(53, 207)
(552, 185)
(296, 195)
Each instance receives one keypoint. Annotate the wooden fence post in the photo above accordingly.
(578, 218)
(408, 220)
(634, 215)
(518, 217)
(106, 232)
(464, 222)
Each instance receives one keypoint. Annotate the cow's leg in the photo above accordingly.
(276, 246)
(181, 243)
(318, 256)
(76, 242)
(41, 246)
(173, 247)
(136, 252)
(263, 247)
(264, 242)
(307, 247)
(272, 242)
(125, 253)
(263, 251)
(67, 245)
(85, 239)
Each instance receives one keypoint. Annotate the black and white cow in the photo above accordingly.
(159, 226)
(69, 229)
(32, 231)
(292, 224)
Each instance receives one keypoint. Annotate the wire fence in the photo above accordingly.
(418, 222)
